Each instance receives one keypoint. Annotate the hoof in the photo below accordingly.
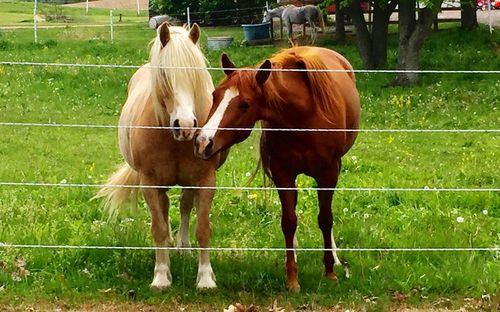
(161, 282)
(159, 288)
(206, 285)
(293, 287)
(205, 289)
(331, 276)
(206, 281)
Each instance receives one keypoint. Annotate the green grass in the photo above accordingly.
(36, 215)
(15, 13)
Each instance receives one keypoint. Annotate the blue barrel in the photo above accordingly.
(257, 31)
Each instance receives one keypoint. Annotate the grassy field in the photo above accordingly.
(15, 13)
(69, 279)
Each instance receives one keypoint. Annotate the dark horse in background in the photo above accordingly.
(290, 99)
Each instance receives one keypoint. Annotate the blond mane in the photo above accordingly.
(169, 73)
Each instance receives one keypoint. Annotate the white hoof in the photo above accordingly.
(161, 281)
(157, 285)
(206, 278)
(206, 282)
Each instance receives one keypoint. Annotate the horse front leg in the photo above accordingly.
(288, 200)
(325, 220)
(204, 198)
(186, 205)
(158, 204)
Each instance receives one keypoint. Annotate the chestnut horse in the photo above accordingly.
(290, 99)
(160, 95)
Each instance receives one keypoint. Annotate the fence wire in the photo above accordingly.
(361, 71)
(255, 249)
(262, 249)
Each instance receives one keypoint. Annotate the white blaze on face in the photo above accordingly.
(183, 109)
(211, 126)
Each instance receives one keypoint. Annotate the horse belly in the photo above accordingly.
(300, 154)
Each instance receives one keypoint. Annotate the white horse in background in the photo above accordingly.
(291, 14)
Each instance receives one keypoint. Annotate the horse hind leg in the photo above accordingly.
(288, 199)
(158, 204)
(325, 222)
(289, 28)
(186, 205)
(313, 32)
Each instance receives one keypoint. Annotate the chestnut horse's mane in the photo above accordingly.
(322, 85)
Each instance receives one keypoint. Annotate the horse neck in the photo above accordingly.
(277, 12)
(285, 106)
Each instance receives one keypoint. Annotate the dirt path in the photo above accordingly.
(114, 4)
(482, 17)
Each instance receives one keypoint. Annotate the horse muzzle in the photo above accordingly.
(203, 146)
(183, 133)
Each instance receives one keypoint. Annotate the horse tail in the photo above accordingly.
(115, 196)
(321, 21)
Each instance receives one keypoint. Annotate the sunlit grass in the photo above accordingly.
(33, 215)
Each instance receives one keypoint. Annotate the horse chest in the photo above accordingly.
(297, 153)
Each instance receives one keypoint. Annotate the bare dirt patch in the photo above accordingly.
(113, 4)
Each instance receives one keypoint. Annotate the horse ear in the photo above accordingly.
(227, 64)
(164, 34)
(263, 72)
(194, 33)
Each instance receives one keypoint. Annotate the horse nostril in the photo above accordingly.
(195, 123)
(176, 128)
(209, 146)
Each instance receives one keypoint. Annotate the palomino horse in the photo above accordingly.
(162, 94)
(291, 14)
(290, 99)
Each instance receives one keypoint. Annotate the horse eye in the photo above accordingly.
(243, 105)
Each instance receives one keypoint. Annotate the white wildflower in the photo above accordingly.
(460, 219)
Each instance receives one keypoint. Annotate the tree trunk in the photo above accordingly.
(152, 12)
(380, 30)
(412, 34)
(372, 46)
(339, 22)
(468, 14)
(362, 33)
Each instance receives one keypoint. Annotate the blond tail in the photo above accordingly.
(115, 196)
